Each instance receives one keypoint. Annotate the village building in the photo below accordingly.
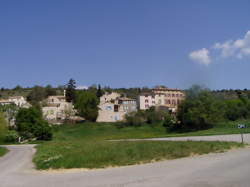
(19, 101)
(113, 107)
(57, 109)
(161, 97)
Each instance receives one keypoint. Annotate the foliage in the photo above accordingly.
(3, 151)
(36, 95)
(237, 109)
(3, 126)
(70, 91)
(9, 111)
(169, 123)
(135, 119)
(39, 93)
(86, 105)
(99, 91)
(11, 136)
(200, 110)
(151, 116)
(30, 124)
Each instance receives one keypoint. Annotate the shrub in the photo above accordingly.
(30, 124)
(170, 123)
(199, 111)
(11, 136)
(150, 116)
(135, 119)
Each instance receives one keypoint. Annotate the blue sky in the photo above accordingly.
(125, 43)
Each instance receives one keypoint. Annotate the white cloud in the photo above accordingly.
(238, 48)
(81, 87)
(200, 56)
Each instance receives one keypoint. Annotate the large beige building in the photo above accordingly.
(113, 107)
(161, 96)
(57, 109)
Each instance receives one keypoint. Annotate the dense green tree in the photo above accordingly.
(50, 90)
(99, 91)
(70, 91)
(18, 88)
(30, 124)
(37, 94)
(86, 104)
(237, 109)
(199, 111)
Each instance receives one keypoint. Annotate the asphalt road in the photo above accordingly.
(230, 169)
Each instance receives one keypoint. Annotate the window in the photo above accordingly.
(116, 108)
(108, 107)
(146, 106)
(146, 101)
(173, 95)
(125, 108)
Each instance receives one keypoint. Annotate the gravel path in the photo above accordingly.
(230, 138)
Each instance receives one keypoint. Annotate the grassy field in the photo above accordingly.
(85, 146)
(3, 151)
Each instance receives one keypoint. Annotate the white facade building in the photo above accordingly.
(161, 96)
(19, 101)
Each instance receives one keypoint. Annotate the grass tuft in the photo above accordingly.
(3, 151)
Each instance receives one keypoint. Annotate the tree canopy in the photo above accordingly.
(70, 90)
(30, 124)
(86, 104)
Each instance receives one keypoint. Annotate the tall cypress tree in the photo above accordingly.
(70, 91)
(99, 92)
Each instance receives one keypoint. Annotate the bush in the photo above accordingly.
(135, 119)
(150, 116)
(199, 111)
(154, 116)
(43, 132)
(11, 136)
(170, 123)
(30, 124)
(236, 109)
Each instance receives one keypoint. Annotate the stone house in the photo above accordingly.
(113, 107)
(57, 109)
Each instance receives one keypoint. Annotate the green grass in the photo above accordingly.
(3, 151)
(85, 146)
